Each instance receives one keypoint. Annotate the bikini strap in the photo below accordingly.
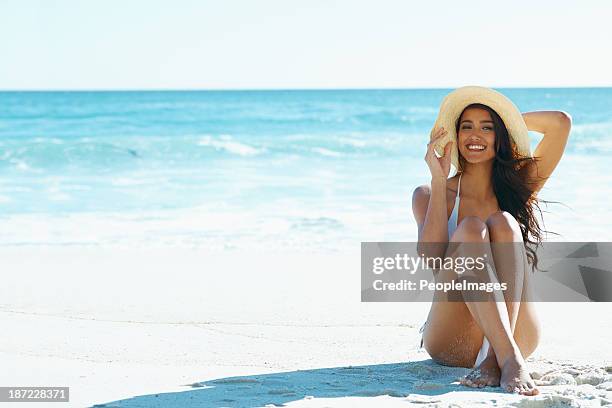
(458, 187)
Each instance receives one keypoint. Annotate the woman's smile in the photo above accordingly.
(473, 147)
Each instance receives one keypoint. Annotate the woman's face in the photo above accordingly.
(476, 136)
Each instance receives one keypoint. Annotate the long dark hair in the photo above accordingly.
(513, 186)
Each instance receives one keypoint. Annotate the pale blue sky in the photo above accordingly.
(242, 44)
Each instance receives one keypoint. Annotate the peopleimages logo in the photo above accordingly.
(424, 284)
(411, 264)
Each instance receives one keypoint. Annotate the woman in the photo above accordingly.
(491, 200)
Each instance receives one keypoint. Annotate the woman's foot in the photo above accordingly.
(486, 373)
(515, 377)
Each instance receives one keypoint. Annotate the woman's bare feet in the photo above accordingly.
(515, 377)
(486, 373)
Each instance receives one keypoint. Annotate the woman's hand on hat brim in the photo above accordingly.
(438, 166)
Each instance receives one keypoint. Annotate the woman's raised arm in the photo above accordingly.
(555, 126)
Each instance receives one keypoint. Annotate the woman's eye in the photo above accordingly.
(467, 127)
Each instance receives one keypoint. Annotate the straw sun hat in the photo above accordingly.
(455, 102)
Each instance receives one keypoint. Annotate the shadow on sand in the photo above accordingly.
(397, 380)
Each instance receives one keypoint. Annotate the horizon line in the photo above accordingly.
(7, 90)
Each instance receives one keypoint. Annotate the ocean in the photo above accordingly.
(275, 170)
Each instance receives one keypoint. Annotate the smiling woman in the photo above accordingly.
(492, 201)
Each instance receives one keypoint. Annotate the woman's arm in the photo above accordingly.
(555, 125)
(429, 203)
(429, 208)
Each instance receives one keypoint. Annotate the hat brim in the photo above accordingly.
(455, 102)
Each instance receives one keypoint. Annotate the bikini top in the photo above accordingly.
(452, 221)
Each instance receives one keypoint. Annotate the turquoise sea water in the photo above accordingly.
(234, 169)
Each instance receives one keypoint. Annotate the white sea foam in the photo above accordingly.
(326, 152)
(226, 143)
(352, 142)
(20, 165)
(590, 127)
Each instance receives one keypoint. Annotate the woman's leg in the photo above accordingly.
(451, 335)
(511, 267)
(454, 332)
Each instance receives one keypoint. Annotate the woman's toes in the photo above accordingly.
(528, 389)
(468, 380)
(515, 378)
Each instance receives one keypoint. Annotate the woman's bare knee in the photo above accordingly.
(471, 229)
(503, 227)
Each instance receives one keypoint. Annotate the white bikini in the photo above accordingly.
(452, 226)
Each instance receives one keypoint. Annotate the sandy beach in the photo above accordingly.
(180, 327)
